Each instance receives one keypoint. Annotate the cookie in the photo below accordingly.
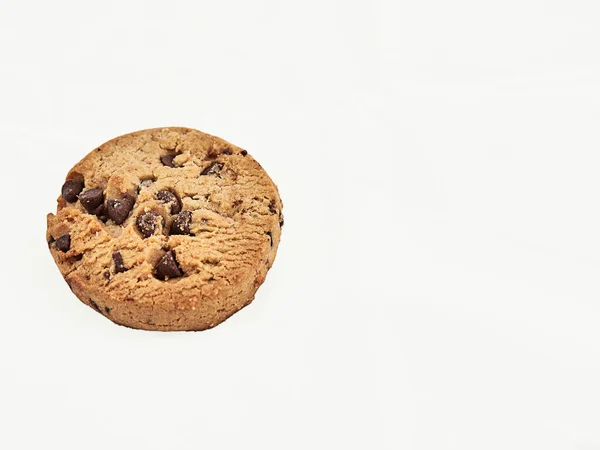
(166, 229)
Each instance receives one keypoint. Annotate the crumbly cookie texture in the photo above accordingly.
(166, 229)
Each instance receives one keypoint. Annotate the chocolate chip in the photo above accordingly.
(268, 233)
(243, 153)
(227, 152)
(167, 196)
(280, 221)
(272, 208)
(213, 169)
(95, 306)
(167, 160)
(212, 153)
(181, 224)
(63, 243)
(119, 264)
(145, 184)
(92, 201)
(148, 222)
(118, 210)
(107, 309)
(167, 267)
(71, 189)
(107, 275)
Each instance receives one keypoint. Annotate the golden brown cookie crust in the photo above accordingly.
(226, 208)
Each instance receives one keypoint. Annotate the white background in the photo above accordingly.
(437, 285)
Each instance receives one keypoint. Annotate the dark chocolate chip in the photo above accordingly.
(272, 208)
(167, 196)
(213, 169)
(119, 264)
(118, 210)
(244, 153)
(211, 154)
(71, 189)
(227, 152)
(148, 222)
(78, 257)
(107, 309)
(268, 233)
(181, 224)
(51, 241)
(280, 221)
(63, 243)
(92, 201)
(167, 267)
(167, 160)
(145, 184)
(107, 275)
(95, 306)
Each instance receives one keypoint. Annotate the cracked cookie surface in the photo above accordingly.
(166, 229)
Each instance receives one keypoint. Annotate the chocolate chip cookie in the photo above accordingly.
(166, 229)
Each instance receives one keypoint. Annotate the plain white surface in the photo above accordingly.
(437, 284)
